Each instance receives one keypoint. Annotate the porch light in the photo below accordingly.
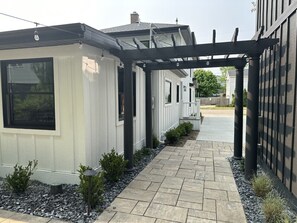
(36, 36)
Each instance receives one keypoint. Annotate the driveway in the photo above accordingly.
(218, 125)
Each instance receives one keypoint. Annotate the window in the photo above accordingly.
(190, 97)
(121, 98)
(177, 93)
(28, 94)
(167, 92)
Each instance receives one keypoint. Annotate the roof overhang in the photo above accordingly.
(57, 35)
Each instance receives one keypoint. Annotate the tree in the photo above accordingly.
(207, 83)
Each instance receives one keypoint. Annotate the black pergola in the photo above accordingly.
(234, 53)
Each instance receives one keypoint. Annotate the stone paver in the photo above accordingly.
(186, 184)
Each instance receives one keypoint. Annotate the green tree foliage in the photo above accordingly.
(207, 82)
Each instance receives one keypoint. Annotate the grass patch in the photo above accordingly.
(273, 208)
(262, 185)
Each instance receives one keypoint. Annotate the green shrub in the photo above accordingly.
(139, 154)
(261, 185)
(181, 129)
(113, 165)
(273, 208)
(156, 142)
(172, 135)
(188, 127)
(97, 186)
(18, 181)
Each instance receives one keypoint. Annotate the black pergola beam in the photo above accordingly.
(128, 114)
(249, 47)
(237, 62)
(252, 118)
(238, 125)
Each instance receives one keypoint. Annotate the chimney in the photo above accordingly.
(135, 17)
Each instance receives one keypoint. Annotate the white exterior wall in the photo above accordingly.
(165, 116)
(103, 129)
(86, 112)
(58, 152)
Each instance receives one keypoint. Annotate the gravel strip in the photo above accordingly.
(68, 206)
(252, 204)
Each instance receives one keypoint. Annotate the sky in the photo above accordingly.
(201, 15)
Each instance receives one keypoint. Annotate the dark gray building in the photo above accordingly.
(278, 90)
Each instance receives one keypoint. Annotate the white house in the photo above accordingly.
(62, 100)
(230, 83)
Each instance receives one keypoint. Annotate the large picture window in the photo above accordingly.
(121, 98)
(28, 93)
(167, 92)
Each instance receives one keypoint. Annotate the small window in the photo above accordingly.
(190, 97)
(177, 93)
(167, 92)
(121, 98)
(28, 93)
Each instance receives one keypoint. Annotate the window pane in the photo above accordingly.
(33, 108)
(28, 93)
(167, 92)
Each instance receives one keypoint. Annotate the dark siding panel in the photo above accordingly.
(270, 106)
(293, 63)
(290, 97)
(273, 107)
(276, 99)
(265, 105)
(282, 101)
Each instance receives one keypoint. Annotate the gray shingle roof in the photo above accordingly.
(141, 26)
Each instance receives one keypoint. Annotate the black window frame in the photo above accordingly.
(8, 101)
(121, 93)
(177, 93)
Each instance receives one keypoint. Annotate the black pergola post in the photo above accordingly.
(128, 113)
(148, 108)
(238, 113)
(252, 118)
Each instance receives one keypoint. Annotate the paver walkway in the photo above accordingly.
(186, 184)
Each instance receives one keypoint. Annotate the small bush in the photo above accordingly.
(97, 186)
(181, 129)
(261, 185)
(188, 127)
(172, 135)
(113, 165)
(18, 181)
(273, 208)
(139, 154)
(156, 142)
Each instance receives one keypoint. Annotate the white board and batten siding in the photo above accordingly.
(85, 111)
(165, 116)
